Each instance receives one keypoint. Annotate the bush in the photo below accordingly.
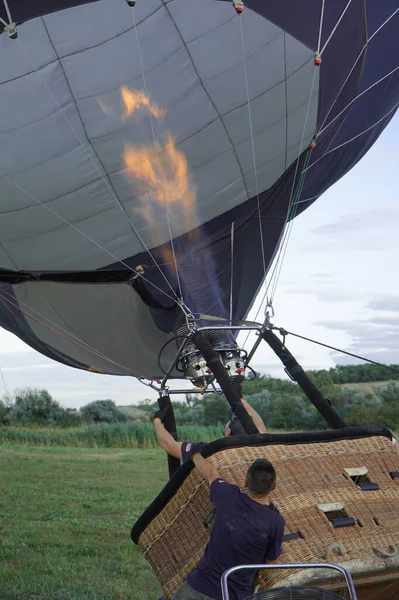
(102, 411)
(4, 410)
(37, 407)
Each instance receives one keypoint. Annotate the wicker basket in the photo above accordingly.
(308, 475)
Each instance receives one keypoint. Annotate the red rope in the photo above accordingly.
(90, 350)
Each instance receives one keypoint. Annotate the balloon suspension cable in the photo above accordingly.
(356, 98)
(321, 128)
(295, 371)
(156, 155)
(10, 28)
(293, 200)
(284, 333)
(352, 139)
(334, 29)
(262, 245)
(295, 195)
(274, 278)
(102, 177)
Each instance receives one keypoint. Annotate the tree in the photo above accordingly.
(215, 410)
(4, 410)
(102, 411)
(38, 407)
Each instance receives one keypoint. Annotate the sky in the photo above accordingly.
(339, 284)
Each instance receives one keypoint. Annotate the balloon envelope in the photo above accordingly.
(142, 150)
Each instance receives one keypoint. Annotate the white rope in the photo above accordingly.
(231, 269)
(342, 87)
(348, 142)
(154, 141)
(320, 25)
(7, 11)
(44, 205)
(356, 61)
(253, 148)
(356, 98)
(308, 199)
(335, 28)
(116, 199)
(286, 231)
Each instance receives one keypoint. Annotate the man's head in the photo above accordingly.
(261, 478)
(233, 425)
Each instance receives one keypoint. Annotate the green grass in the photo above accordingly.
(65, 520)
(118, 435)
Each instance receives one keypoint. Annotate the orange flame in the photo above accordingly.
(161, 175)
(132, 101)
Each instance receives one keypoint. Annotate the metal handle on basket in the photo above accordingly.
(342, 570)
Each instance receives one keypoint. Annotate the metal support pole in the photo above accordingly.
(296, 372)
(215, 365)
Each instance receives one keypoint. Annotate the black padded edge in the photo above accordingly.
(265, 439)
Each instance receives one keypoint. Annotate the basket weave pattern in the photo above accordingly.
(307, 475)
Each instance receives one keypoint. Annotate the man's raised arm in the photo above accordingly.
(257, 419)
(166, 440)
(205, 468)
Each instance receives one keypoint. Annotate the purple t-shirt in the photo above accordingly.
(244, 532)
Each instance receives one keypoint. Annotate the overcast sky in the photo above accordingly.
(339, 284)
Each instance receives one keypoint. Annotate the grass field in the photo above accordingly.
(65, 519)
(116, 435)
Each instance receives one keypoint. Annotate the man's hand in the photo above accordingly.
(164, 405)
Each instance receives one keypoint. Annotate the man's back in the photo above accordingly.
(244, 532)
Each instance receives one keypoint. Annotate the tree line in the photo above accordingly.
(281, 404)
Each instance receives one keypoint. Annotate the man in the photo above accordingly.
(246, 531)
(186, 449)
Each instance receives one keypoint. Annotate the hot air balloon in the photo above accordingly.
(157, 154)
(152, 156)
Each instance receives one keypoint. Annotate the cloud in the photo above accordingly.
(377, 339)
(374, 220)
(326, 294)
(385, 357)
(363, 232)
(28, 368)
(386, 303)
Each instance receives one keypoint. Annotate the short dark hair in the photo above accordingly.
(261, 477)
